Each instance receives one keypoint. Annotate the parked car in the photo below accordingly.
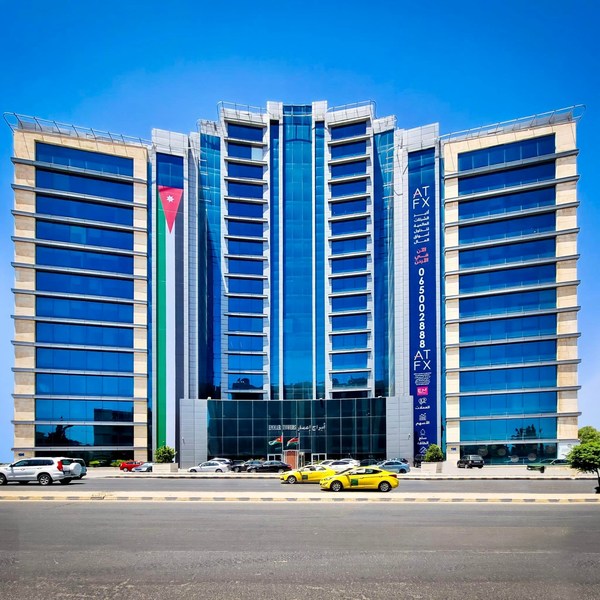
(80, 462)
(236, 465)
(361, 478)
(226, 461)
(43, 470)
(547, 462)
(245, 466)
(270, 466)
(308, 474)
(394, 466)
(367, 462)
(129, 465)
(342, 465)
(469, 461)
(144, 468)
(210, 466)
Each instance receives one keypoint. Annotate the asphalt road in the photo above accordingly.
(231, 484)
(291, 552)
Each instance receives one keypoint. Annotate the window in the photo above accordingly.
(350, 360)
(245, 362)
(508, 253)
(508, 228)
(355, 379)
(244, 190)
(351, 226)
(245, 267)
(89, 236)
(84, 335)
(516, 302)
(245, 228)
(88, 310)
(348, 246)
(242, 247)
(498, 329)
(243, 132)
(508, 379)
(88, 211)
(250, 324)
(245, 171)
(504, 153)
(507, 278)
(349, 322)
(245, 286)
(343, 303)
(83, 410)
(83, 385)
(349, 188)
(346, 131)
(348, 207)
(507, 203)
(245, 209)
(347, 150)
(83, 360)
(505, 354)
(528, 428)
(504, 179)
(502, 404)
(344, 265)
(93, 261)
(83, 159)
(349, 284)
(83, 185)
(348, 341)
(85, 285)
(245, 305)
(244, 382)
(169, 170)
(83, 435)
(349, 169)
(244, 151)
(245, 343)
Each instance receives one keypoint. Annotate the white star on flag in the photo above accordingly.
(170, 198)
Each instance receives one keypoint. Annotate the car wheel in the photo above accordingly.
(3, 479)
(384, 486)
(336, 486)
(65, 481)
(280, 470)
(44, 479)
(251, 470)
(542, 469)
(236, 469)
(481, 466)
(193, 471)
(403, 471)
(291, 479)
(459, 465)
(469, 466)
(218, 470)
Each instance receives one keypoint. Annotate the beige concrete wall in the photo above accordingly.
(566, 218)
(566, 349)
(451, 260)
(452, 358)
(452, 285)
(24, 305)
(566, 271)
(566, 297)
(567, 428)
(566, 244)
(452, 309)
(567, 401)
(566, 323)
(567, 375)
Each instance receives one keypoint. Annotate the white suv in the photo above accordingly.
(43, 470)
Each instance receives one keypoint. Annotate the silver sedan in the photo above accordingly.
(210, 466)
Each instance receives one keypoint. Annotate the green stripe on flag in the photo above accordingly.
(161, 326)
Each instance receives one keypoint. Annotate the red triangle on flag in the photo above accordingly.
(170, 198)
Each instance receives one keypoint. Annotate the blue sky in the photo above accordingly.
(127, 67)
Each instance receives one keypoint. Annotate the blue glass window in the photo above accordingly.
(88, 310)
(350, 226)
(246, 343)
(84, 335)
(245, 228)
(243, 132)
(345, 131)
(528, 428)
(508, 253)
(244, 382)
(349, 169)
(88, 211)
(349, 207)
(507, 203)
(504, 153)
(516, 302)
(499, 329)
(349, 188)
(83, 410)
(347, 150)
(83, 385)
(245, 286)
(508, 379)
(83, 185)
(349, 245)
(348, 341)
(242, 247)
(246, 305)
(342, 303)
(245, 362)
(245, 171)
(244, 190)
(507, 279)
(350, 380)
(349, 322)
(89, 236)
(468, 234)
(244, 151)
(350, 360)
(345, 265)
(245, 267)
(83, 435)
(505, 404)
(504, 179)
(250, 324)
(83, 360)
(85, 285)
(169, 170)
(349, 284)
(245, 209)
(506, 354)
(77, 259)
(83, 159)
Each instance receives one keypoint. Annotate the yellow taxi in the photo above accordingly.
(361, 478)
(309, 474)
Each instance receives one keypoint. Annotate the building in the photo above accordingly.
(296, 278)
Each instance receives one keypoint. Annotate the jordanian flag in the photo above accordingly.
(167, 232)
(278, 440)
(293, 442)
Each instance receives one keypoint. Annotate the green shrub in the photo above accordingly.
(586, 459)
(117, 463)
(434, 454)
(164, 454)
(95, 463)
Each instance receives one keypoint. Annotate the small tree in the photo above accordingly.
(588, 434)
(434, 454)
(586, 459)
(164, 454)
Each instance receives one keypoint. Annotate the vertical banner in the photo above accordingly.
(422, 297)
